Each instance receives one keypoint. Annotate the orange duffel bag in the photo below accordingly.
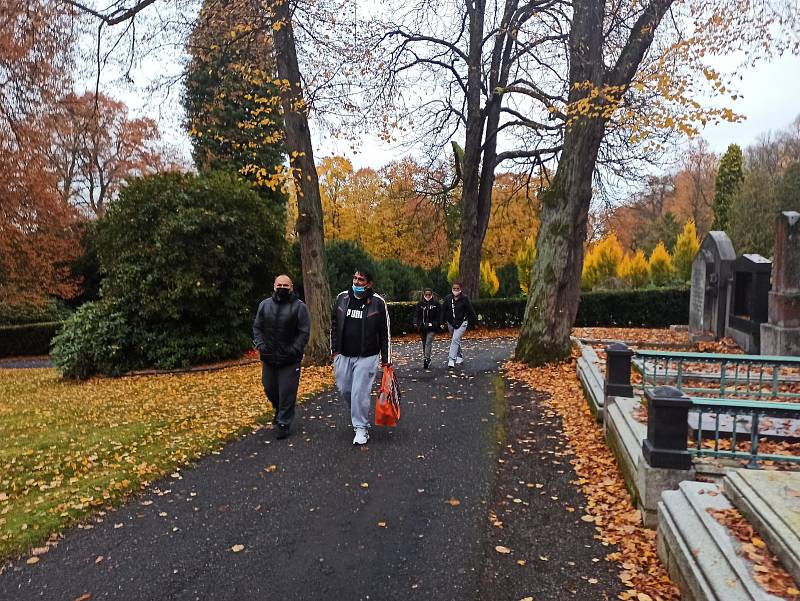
(387, 405)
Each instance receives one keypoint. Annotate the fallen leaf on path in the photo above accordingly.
(237, 548)
(454, 502)
(502, 549)
(382, 524)
(84, 597)
(32, 560)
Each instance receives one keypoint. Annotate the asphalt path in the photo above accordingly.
(317, 518)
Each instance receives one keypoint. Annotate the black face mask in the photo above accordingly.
(282, 294)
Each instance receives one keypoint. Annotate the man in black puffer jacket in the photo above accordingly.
(280, 333)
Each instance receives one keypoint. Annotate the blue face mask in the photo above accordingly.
(359, 289)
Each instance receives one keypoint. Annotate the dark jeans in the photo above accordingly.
(427, 343)
(280, 385)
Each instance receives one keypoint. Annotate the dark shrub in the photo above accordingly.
(186, 260)
(343, 257)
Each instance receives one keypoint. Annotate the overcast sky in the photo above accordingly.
(769, 97)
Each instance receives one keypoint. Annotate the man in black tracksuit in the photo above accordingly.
(359, 338)
(280, 332)
(457, 313)
(427, 320)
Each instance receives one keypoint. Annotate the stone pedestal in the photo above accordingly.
(781, 336)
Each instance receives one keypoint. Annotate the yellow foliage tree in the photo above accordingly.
(489, 283)
(634, 270)
(452, 269)
(602, 262)
(686, 247)
(661, 270)
(524, 261)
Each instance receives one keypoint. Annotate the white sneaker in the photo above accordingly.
(362, 436)
(450, 364)
(459, 360)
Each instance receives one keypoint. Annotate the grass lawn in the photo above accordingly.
(70, 448)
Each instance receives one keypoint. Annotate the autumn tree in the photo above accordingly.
(37, 233)
(231, 98)
(523, 260)
(755, 205)
(729, 179)
(95, 147)
(694, 186)
(686, 247)
(634, 270)
(606, 73)
(298, 96)
(660, 266)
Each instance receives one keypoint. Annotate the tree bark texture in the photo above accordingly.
(554, 291)
(471, 220)
(309, 205)
(480, 156)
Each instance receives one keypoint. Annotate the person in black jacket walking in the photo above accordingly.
(427, 320)
(457, 313)
(359, 337)
(280, 332)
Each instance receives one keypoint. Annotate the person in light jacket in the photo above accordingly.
(457, 314)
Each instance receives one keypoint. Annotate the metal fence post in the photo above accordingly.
(667, 428)
(618, 371)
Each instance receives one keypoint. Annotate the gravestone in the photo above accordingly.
(748, 296)
(711, 270)
(781, 335)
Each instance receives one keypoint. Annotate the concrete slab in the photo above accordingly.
(591, 378)
(699, 553)
(771, 502)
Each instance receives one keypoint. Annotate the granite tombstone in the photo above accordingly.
(781, 335)
(711, 270)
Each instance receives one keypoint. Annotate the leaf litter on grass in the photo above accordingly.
(71, 448)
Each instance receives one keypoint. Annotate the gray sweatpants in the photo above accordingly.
(280, 386)
(354, 379)
(455, 342)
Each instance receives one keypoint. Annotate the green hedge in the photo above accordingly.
(623, 308)
(656, 308)
(28, 339)
(631, 308)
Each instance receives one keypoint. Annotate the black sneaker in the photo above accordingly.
(283, 431)
(426, 364)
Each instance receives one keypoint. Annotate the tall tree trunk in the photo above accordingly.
(480, 156)
(554, 290)
(471, 234)
(309, 205)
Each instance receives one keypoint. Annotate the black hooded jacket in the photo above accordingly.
(281, 330)
(427, 312)
(457, 310)
(374, 335)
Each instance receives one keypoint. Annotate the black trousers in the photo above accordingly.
(280, 385)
